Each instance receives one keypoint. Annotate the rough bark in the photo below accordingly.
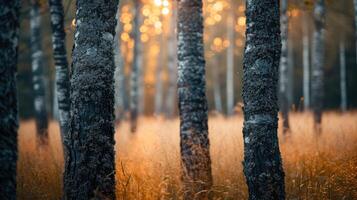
(317, 84)
(135, 70)
(61, 63)
(262, 160)
(9, 37)
(172, 63)
(306, 62)
(343, 77)
(284, 70)
(216, 87)
(230, 64)
(195, 154)
(37, 73)
(89, 168)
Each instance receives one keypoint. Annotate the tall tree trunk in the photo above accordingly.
(9, 37)
(284, 71)
(159, 82)
(37, 71)
(216, 87)
(172, 63)
(89, 169)
(230, 64)
(119, 74)
(195, 154)
(306, 62)
(290, 84)
(135, 71)
(343, 77)
(61, 64)
(317, 84)
(262, 161)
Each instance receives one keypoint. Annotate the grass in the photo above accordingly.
(148, 165)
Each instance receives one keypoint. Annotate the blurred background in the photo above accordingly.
(224, 41)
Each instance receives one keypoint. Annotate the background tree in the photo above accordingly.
(343, 87)
(230, 62)
(195, 155)
(262, 161)
(317, 84)
(37, 71)
(61, 63)
(89, 169)
(306, 59)
(9, 37)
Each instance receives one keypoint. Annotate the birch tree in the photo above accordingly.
(135, 71)
(284, 71)
(343, 86)
(9, 37)
(61, 63)
(262, 160)
(89, 168)
(317, 84)
(195, 154)
(37, 72)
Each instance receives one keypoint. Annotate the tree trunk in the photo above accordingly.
(262, 161)
(290, 84)
(216, 87)
(135, 71)
(343, 77)
(9, 37)
(61, 64)
(230, 65)
(119, 74)
(306, 62)
(355, 6)
(37, 71)
(159, 82)
(172, 63)
(195, 155)
(89, 169)
(317, 84)
(284, 71)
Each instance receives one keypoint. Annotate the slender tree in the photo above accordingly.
(262, 161)
(284, 70)
(230, 64)
(306, 61)
(9, 37)
(343, 77)
(135, 71)
(89, 169)
(317, 84)
(37, 71)
(216, 87)
(61, 63)
(159, 90)
(195, 155)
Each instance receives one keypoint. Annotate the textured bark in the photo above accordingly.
(216, 87)
(317, 82)
(343, 77)
(89, 168)
(9, 37)
(284, 70)
(119, 75)
(172, 63)
(61, 63)
(306, 62)
(135, 70)
(262, 160)
(230, 64)
(37, 73)
(195, 155)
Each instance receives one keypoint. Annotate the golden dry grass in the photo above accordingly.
(148, 165)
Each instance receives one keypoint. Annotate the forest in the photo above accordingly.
(178, 99)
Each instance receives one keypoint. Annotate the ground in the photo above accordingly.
(316, 166)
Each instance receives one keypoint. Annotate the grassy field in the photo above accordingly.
(148, 166)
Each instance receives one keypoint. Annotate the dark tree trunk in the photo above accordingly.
(135, 71)
(284, 71)
(9, 30)
(195, 155)
(61, 64)
(262, 161)
(37, 71)
(317, 84)
(89, 169)
(343, 85)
